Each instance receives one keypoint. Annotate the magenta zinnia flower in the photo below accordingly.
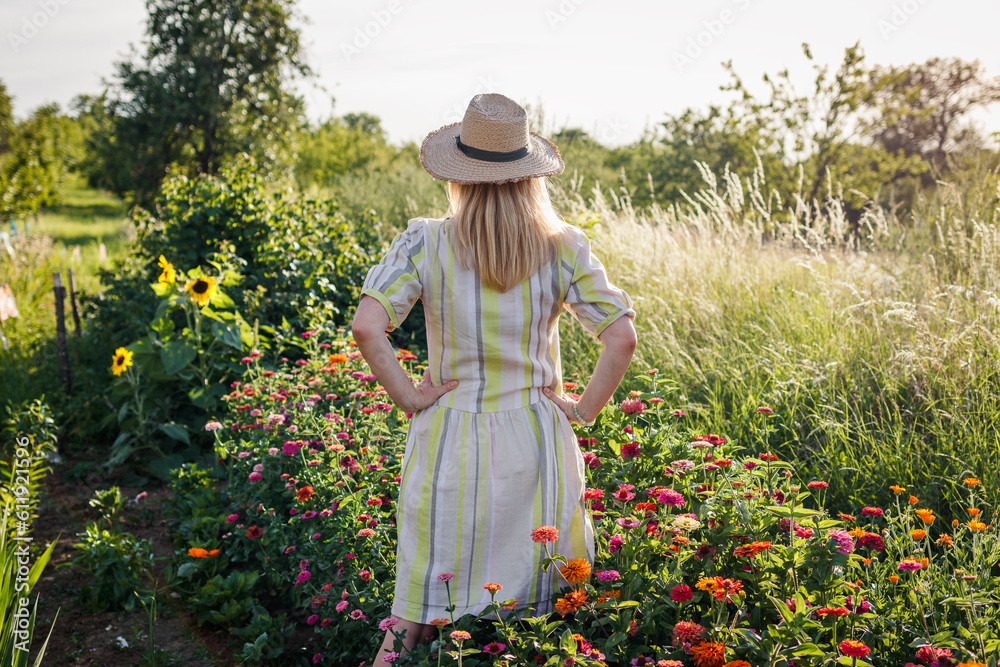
(672, 498)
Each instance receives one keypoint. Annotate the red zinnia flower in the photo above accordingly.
(681, 594)
(304, 494)
(253, 532)
(853, 649)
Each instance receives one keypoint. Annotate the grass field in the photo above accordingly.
(877, 350)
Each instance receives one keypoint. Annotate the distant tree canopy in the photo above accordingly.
(213, 82)
(36, 155)
(880, 134)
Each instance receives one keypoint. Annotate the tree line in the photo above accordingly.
(216, 80)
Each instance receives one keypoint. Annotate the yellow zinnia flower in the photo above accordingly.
(121, 360)
(201, 290)
(169, 275)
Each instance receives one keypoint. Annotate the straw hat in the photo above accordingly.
(492, 144)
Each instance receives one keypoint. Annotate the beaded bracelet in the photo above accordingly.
(581, 419)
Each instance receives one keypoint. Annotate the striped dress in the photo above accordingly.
(492, 459)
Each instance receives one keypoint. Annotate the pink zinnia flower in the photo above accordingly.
(494, 648)
(387, 623)
(446, 576)
(608, 575)
(633, 407)
(342, 605)
(630, 450)
(255, 477)
(845, 543)
(909, 565)
(615, 544)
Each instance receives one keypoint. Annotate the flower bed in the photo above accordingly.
(709, 552)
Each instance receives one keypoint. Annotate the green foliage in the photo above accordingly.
(17, 621)
(232, 62)
(36, 155)
(265, 638)
(192, 345)
(117, 561)
(226, 602)
(27, 439)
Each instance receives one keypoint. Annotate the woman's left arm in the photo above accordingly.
(368, 328)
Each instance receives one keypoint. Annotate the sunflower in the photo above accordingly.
(576, 571)
(121, 360)
(169, 274)
(201, 290)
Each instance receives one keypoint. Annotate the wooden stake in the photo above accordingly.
(61, 332)
(72, 301)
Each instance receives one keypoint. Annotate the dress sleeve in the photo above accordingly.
(395, 281)
(591, 298)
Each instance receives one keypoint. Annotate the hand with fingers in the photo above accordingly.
(426, 393)
(569, 407)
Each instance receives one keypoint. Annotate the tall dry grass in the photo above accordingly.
(875, 343)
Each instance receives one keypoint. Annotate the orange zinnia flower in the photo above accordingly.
(944, 540)
(971, 481)
(440, 622)
(709, 654)
(570, 602)
(976, 526)
(913, 500)
(897, 489)
(973, 511)
(304, 494)
(213, 553)
(918, 534)
(492, 588)
(576, 571)
(337, 359)
(893, 578)
(927, 516)
(737, 663)
(194, 552)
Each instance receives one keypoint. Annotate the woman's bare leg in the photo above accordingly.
(414, 633)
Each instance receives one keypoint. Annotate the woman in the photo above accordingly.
(490, 453)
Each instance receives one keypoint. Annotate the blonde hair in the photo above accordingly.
(505, 231)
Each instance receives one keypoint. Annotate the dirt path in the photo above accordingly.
(82, 638)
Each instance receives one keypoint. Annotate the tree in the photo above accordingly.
(924, 109)
(214, 82)
(36, 155)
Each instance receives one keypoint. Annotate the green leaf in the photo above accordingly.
(202, 398)
(229, 334)
(176, 355)
(220, 299)
(176, 431)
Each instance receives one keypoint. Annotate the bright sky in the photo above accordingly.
(611, 67)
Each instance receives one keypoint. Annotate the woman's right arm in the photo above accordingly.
(619, 342)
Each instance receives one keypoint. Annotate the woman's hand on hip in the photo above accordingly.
(564, 404)
(426, 393)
